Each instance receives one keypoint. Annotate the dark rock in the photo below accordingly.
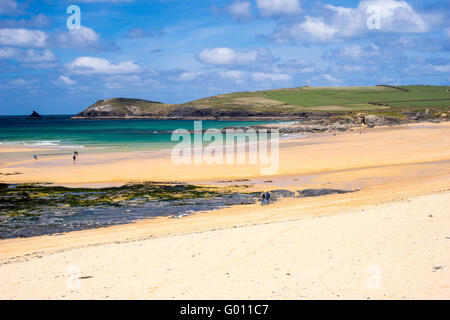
(321, 192)
(372, 121)
(35, 116)
(282, 193)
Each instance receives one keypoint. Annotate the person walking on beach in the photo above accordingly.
(35, 157)
(267, 197)
(263, 199)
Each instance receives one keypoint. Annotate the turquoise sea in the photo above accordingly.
(64, 132)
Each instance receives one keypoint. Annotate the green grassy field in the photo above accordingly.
(359, 98)
(336, 99)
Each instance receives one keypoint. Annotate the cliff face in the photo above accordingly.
(124, 108)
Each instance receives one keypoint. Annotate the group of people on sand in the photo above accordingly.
(265, 198)
(75, 155)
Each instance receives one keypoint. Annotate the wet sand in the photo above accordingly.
(318, 153)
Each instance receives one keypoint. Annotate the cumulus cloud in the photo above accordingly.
(188, 76)
(233, 74)
(275, 77)
(312, 29)
(240, 10)
(8, 7)
(91, 65)
(77, 37)
(8, 53)
(65, 80)
(297, 66)
(37, 21)
(39, 56)
(228, 56)
(270, 8)
(31, 55)
(137, 33)
(339, 23)
(429, 66)
(110, 1)
(83, 37)
(353, 52)
(20, 37)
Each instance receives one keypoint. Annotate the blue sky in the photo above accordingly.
(176, 51)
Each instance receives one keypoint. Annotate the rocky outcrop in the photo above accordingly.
(35, 116)
(321, 192)
(122, 108)
(334, 123)
(373, 120)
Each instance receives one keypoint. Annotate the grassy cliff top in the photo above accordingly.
(283, 102)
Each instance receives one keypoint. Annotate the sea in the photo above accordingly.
(60, 131)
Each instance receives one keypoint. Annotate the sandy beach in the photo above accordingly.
(399, 250)
(388, 240)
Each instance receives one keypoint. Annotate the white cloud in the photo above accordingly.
(77, 37)
(20, 82)
(228, 56)
(312, 29)
(8, 7)
(37, 21)
(353, 69)
(428, 68)
(66, 80)
(20, 37)
(354, 52)
(338, 23)
(111, 1)
(233, 74)
(240, 10)
(90, 65)
(269, 8)
(188, 76)
(275, 77)
(39, 56)
(31, 55)
(330, 78)
(8, 53)
(296, 66)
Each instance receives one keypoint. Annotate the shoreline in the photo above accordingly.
(304, 156)
(399, 187)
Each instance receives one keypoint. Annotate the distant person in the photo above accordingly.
(74, 157)
(267, 197)
(35, 157)
(263, 199)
